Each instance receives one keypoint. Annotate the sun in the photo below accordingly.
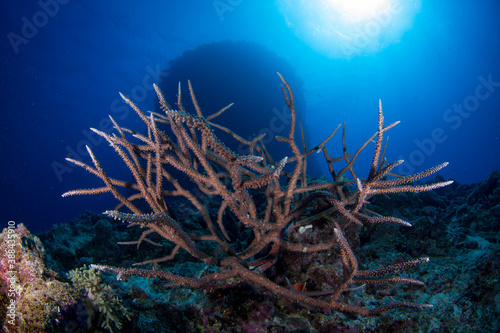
(349, 28)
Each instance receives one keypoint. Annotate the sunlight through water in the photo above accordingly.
(349, 28)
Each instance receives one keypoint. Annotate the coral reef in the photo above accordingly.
(262, 207)
(461, 279)
(288, 284)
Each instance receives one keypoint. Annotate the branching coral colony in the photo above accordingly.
(257, 192)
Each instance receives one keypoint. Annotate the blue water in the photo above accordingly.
(64, 62)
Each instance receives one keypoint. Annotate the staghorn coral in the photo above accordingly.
(270, 201)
